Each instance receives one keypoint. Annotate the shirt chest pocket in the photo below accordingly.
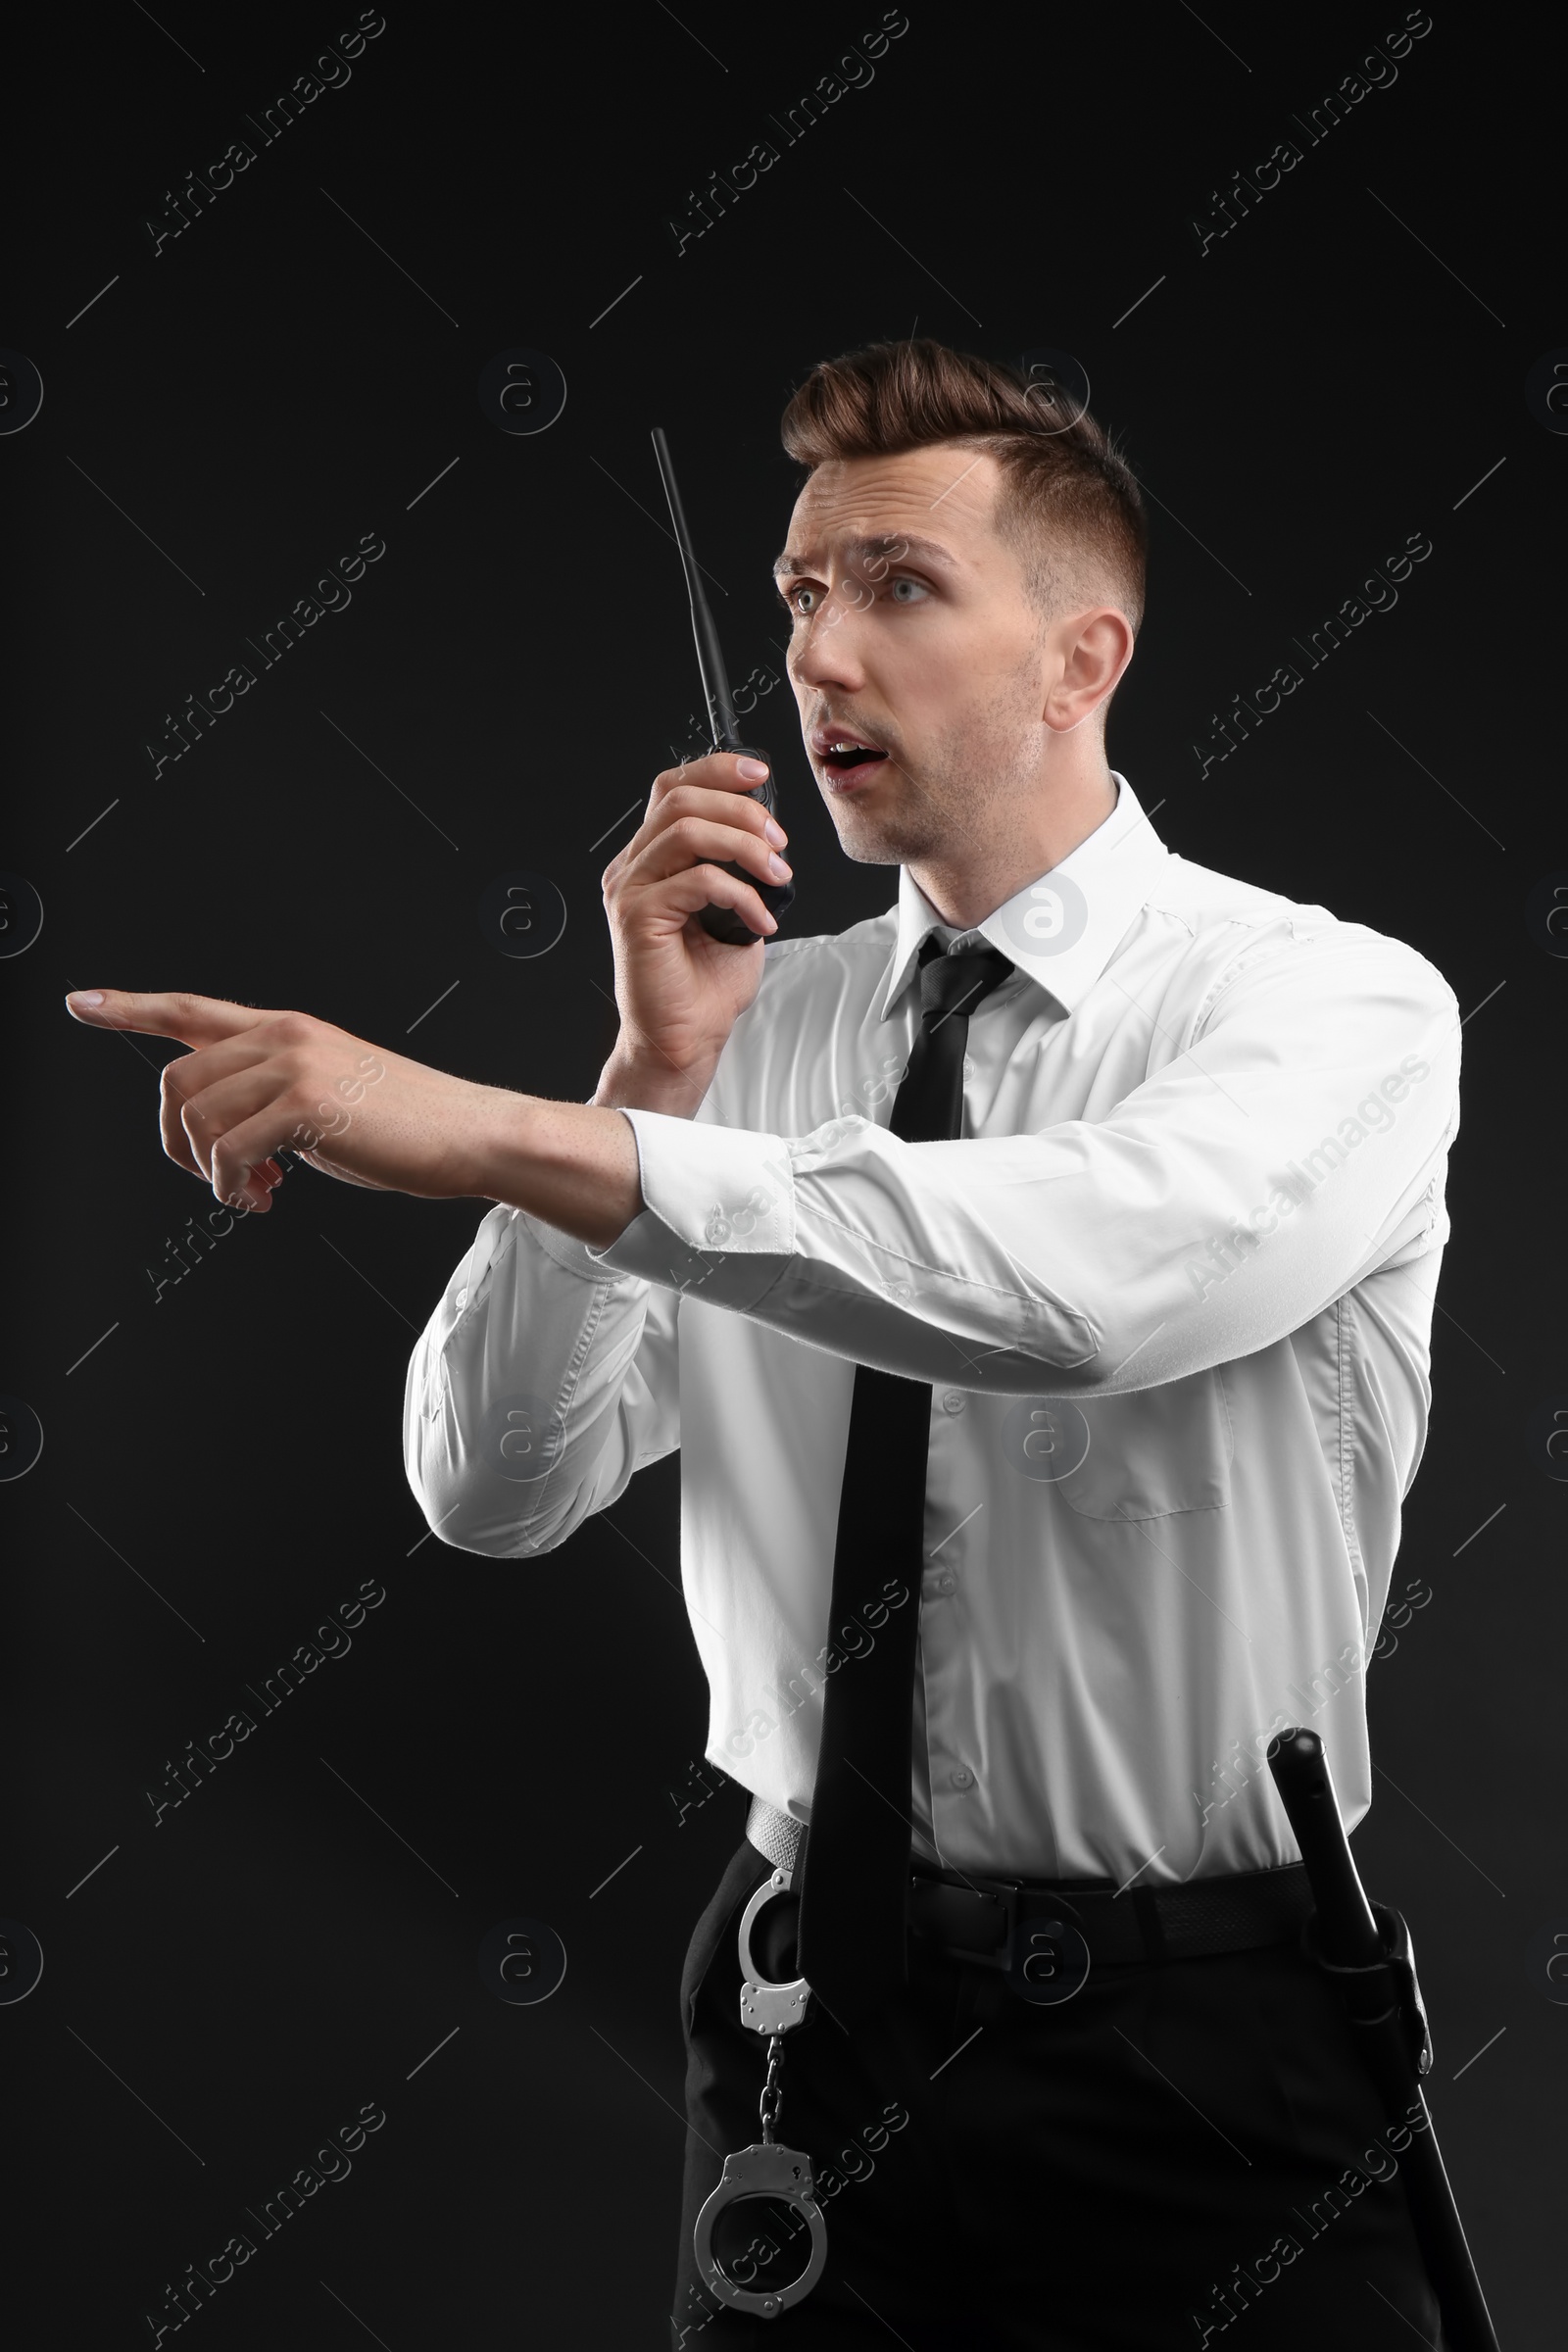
(1139, 1456)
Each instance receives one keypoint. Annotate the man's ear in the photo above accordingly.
(1095, 647)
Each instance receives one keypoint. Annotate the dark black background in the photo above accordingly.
(230, 1985)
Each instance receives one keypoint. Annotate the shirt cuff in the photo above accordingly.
(711, 1194)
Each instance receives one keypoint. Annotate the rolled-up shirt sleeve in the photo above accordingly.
(542, 1383)
(1287, 1139)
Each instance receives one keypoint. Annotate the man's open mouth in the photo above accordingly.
(850, 757)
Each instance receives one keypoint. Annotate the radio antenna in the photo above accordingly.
(709, 660)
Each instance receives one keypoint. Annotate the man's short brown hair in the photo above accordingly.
(1069, 503)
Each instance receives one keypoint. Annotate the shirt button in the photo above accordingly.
(948, 1583)
(462, 1297)
(953, 1400)
(964, 1778)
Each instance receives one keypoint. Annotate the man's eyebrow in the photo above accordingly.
(889, 546)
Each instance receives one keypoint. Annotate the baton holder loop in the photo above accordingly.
(1371, 1993)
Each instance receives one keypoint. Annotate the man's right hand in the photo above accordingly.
(679, 990)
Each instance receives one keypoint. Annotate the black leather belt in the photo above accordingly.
(1026, 1928)
(990, 1920)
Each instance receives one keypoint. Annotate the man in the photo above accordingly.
(1155, 1306)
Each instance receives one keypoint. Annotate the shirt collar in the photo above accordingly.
(1061, 929)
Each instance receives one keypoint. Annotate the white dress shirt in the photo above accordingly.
(1172, 1289)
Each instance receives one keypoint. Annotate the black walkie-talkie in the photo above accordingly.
(722, 922)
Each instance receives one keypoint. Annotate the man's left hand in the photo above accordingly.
(256, 1082)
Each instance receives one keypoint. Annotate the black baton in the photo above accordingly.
(1364, 1948)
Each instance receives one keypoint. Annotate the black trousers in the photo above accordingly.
(1186, 2154)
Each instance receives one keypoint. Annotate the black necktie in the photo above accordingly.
(856, 1867)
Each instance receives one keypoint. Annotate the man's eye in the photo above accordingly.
(803, 600)
(907, 592)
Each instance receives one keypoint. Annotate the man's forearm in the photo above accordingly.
(572, 1166)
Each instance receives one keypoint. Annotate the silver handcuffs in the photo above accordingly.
(766, 2168)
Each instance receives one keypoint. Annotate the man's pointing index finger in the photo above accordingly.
(194, 1020)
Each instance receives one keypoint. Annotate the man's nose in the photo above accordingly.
(832, 651)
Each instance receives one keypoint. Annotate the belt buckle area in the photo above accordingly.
(1006, 1892)
(1048, 1957)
